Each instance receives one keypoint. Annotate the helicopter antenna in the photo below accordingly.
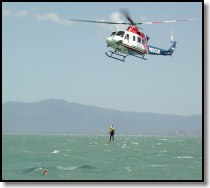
(117, 29)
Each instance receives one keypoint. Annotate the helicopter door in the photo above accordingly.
(143, 44)
(126, 39)
(134, 40)
(139, 43)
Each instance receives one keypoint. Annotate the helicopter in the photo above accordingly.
(133, 41)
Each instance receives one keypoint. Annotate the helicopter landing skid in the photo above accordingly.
(114, 52)
(141, 57)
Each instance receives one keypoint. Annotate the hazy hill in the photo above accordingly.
(59, 116)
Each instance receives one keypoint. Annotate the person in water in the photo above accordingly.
(111, 132)
(45, 172)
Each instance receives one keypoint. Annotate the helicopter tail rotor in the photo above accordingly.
(173, 44)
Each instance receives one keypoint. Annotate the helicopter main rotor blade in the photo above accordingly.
(167, 21)
(102, 22)
(126, 14)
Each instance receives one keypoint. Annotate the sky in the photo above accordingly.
(45, 56)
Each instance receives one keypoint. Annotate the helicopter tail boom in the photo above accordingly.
(158, 51)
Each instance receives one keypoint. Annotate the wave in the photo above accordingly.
(164, 139)
(124, 146)
(185, 157)
(128, 169)
(33, 169)
(74, 167)
(86, 167)
(60, 168)
(134, 143)
(163, 151)
(158, 165)
(65, 168)
(56, 151)
(131, 158)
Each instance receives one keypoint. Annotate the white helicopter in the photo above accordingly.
(133, 41)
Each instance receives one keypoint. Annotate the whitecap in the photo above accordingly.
(124, 146)
(39, 168)
(163, 151)
(135, 143)
(56, 151)
(158, 165)
(66, 168)
(185, 157)
(128, 168)
(164, 139)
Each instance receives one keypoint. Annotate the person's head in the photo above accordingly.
(45, 172)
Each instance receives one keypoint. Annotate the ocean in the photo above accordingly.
(91, 157)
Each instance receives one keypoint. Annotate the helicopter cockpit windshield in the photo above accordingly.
(120, 33)
(113, 33)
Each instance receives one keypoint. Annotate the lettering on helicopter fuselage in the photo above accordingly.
(154, 50)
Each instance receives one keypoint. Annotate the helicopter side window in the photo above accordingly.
(113, 33)
(143, 41)
(127, 37)
(120, 33)
(139, 40)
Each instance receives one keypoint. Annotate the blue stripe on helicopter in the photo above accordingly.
(158, 51)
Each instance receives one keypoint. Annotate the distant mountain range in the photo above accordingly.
(59, 116)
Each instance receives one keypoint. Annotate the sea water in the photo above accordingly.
(91, 157)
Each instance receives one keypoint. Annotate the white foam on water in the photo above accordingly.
(175, 141)
(185, 157)
(39, 168)
(163, 151)
(135, 143)
(158, 165)
(164, 139)
(128, 169)
(56, 151)
(66, 168)
(124, 146)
